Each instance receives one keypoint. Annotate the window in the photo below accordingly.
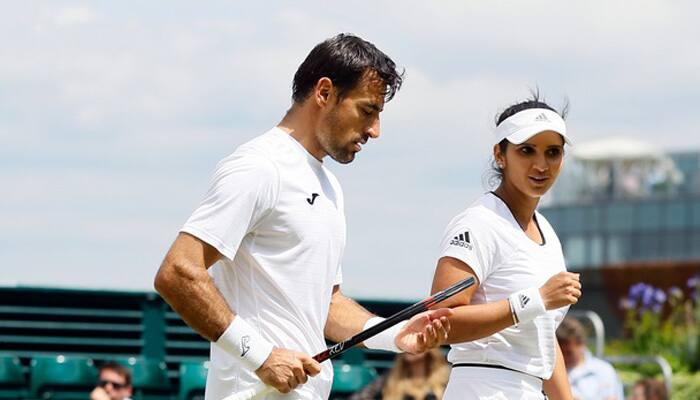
(648, 216)
(575, 219)
(675, 215)
(695, 214)
(619, 218)
(675, 245)
(617, 249)
(575, 252)
(595, 253)
(593, 218)
(695, 244)
(646, 246)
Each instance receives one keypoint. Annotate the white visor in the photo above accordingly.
(525, 124)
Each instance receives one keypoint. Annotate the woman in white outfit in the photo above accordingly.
(503, 329)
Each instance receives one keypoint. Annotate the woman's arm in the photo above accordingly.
(471, 322)
(557, 387)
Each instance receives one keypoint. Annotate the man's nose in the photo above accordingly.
(374, 130)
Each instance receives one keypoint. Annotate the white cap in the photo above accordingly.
(525, 124)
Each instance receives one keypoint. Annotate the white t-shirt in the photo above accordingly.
(276, 215)
(505, 260)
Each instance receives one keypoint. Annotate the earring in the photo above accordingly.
(500, 166)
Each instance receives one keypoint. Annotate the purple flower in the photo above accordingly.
(636, 290)
(648, 296)
(694, 281)
(659, 296)
(656, 308)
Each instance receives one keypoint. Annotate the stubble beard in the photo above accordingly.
(329, 140)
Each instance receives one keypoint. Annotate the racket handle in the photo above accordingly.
(260, 389)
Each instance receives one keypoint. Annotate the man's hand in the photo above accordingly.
(424, 331)
(99, 394)
(285, 369)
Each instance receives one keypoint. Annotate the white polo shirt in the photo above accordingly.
(276, 215)
(487, 237)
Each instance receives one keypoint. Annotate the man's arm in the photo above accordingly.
(345, 317)
(422, 332)
(557, 387)
(184, 283)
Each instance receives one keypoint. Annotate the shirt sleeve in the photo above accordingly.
(243, 191)
(466, 240)
(338, 276)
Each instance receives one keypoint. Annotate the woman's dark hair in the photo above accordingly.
(535, 101)
(344, 59)
(571, 329)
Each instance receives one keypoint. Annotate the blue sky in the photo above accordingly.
(114, 114)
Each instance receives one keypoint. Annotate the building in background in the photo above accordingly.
(624, 201)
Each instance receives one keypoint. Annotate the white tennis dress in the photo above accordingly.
(487, 237)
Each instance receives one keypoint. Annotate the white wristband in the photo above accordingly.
(527, 304)
(385, 340)
(242, 341)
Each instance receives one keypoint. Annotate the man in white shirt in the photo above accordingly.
(272, 226)
(591, 378)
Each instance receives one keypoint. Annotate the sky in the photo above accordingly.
(113, 116)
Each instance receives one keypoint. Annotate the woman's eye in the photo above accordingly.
(554, 152)
(526, 150)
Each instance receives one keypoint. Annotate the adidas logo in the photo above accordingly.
(541, 118)
(462, 240)
(523, 300)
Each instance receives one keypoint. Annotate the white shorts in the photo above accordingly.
(472, 383)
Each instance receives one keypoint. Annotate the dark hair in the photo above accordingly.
(344, 59)
(119, 369)
(534, 102)
(571, 329)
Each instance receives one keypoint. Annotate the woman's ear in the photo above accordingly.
(499, 157)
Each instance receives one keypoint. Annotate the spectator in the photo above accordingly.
(114, 383)
(649, 389)
(413, 377)
(590, 377)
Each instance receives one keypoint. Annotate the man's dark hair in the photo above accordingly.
(344, 59)
(571, 329)
(119, 369)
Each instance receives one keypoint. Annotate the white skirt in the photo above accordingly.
(472, 383)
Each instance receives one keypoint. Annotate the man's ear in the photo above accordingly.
(324, 92)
